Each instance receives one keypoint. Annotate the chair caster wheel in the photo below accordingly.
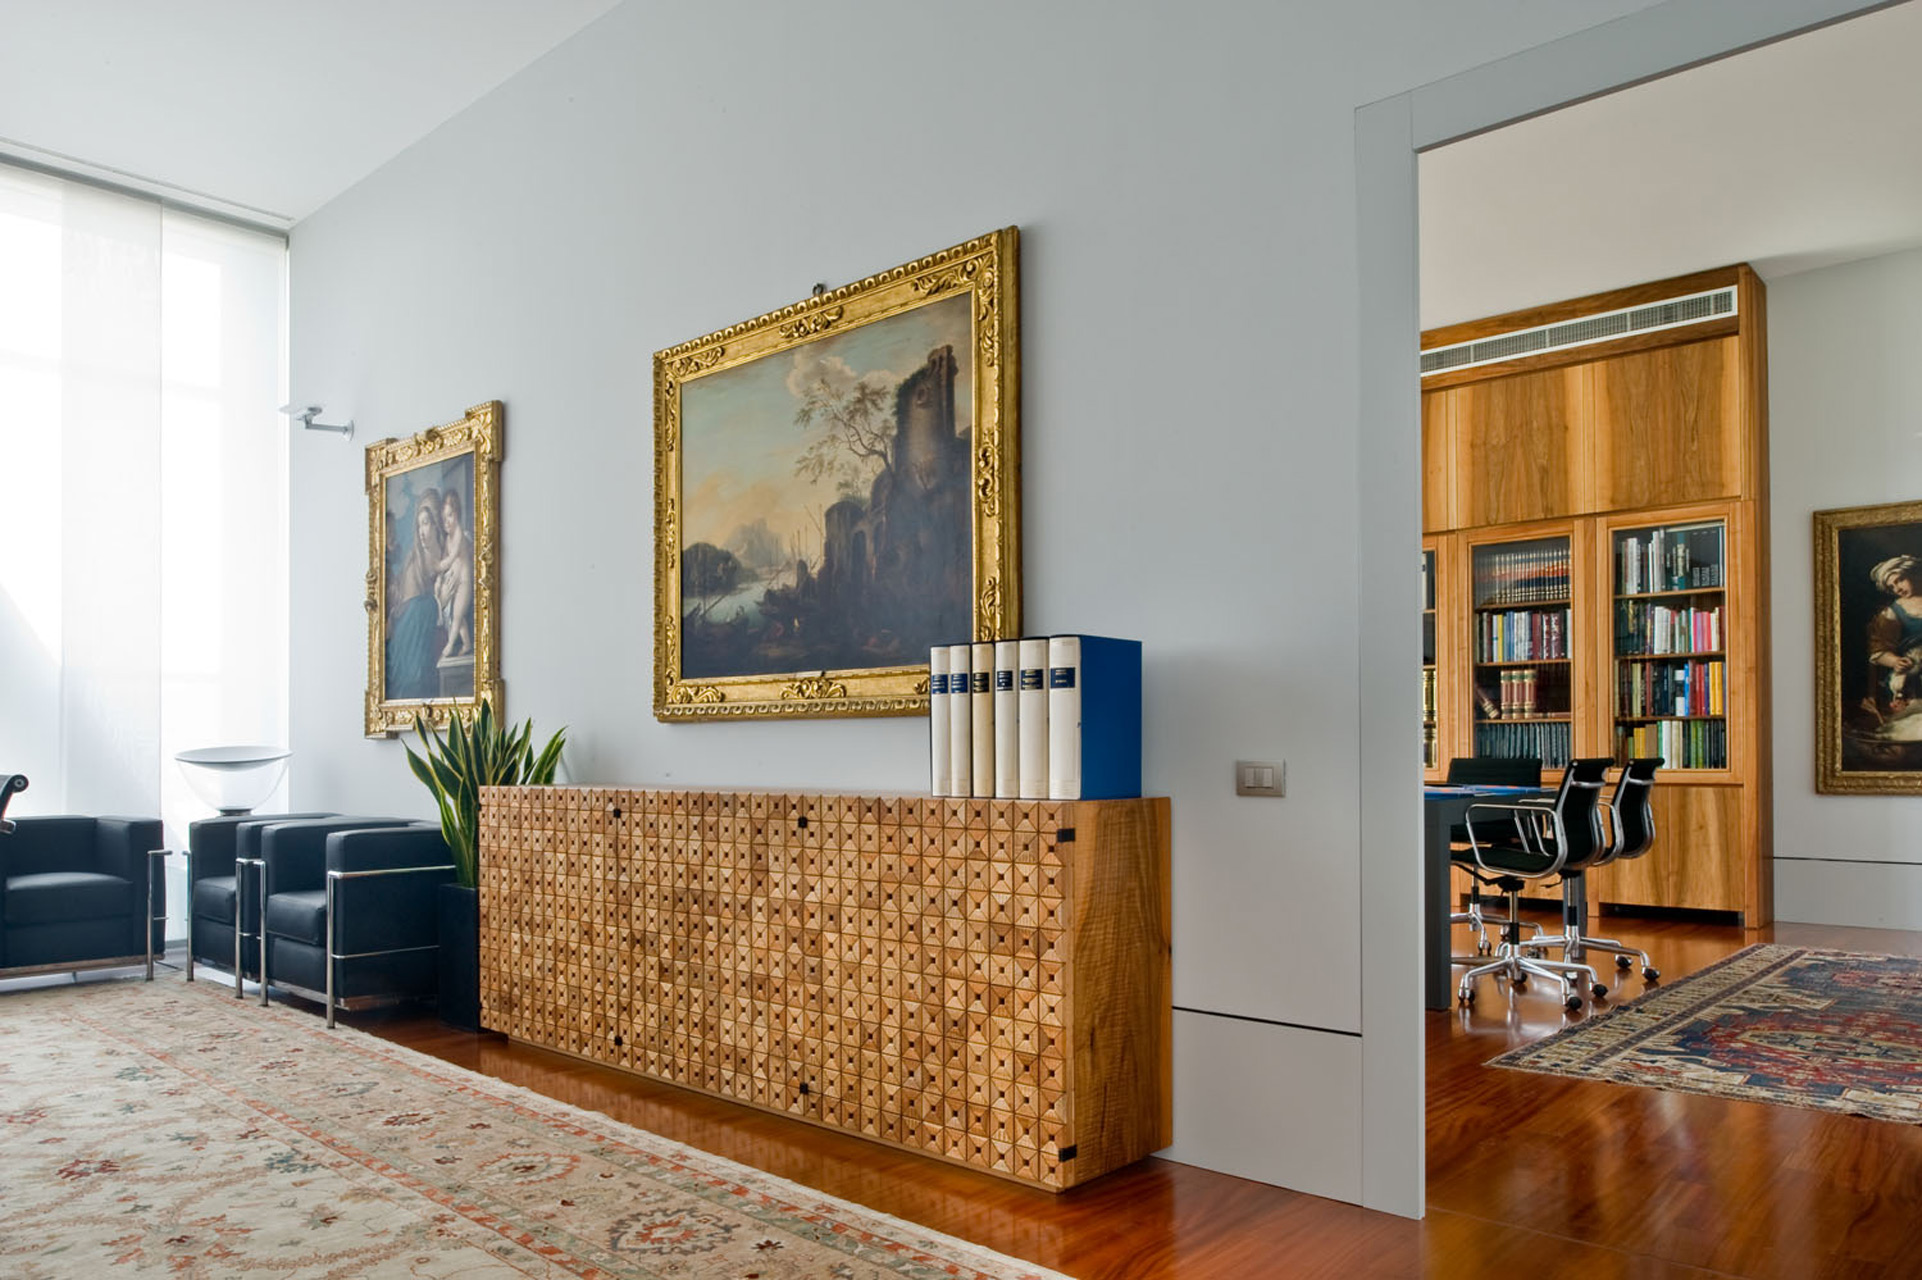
(1520, 984)
(1466, 995)
(1600, 992)
(1651, 973)
(1482, 948)
(1621, 962)
(1573, 1004)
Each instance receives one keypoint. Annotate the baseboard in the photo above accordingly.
(1271, 1102)
(1869, 895)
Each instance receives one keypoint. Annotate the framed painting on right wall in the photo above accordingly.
(1868, 650)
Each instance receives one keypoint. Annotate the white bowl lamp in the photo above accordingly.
(234, 779)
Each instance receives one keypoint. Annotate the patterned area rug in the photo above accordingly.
(160, 1128)
(1832, 1030)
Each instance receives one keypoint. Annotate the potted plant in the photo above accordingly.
(481, 752)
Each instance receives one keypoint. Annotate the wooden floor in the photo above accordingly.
(1528, 1175)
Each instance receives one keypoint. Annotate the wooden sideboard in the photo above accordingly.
(986, 982)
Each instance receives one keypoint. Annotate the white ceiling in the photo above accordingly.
(1801, 154)
(276, 106)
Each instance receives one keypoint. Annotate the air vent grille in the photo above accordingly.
(1669, 314)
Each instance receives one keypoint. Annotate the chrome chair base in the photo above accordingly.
(1510, 962)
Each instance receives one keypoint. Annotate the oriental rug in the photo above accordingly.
(167, 1129)
(1831, 1030)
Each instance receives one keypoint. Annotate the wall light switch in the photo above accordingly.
(1261, 777)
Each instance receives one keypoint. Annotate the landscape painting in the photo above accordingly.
(829, 488)
(827, 502)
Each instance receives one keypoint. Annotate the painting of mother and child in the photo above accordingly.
(827, 498)
(430, 581)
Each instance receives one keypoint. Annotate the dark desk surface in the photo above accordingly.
(1443, 808)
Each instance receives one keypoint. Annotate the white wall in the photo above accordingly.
(1845, 430)
(1184, 180)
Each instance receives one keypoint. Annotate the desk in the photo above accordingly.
(1446, 807)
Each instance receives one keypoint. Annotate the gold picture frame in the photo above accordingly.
(1868, 677)
(836, 488)
(432, 635)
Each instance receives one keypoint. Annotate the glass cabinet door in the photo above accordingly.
(1522, 641)
(1671, 645)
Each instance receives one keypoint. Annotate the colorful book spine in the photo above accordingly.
(981, 708)
(1007, 719)
(1094, 718)
(938, 711)
(1032, 696)
(960, 721)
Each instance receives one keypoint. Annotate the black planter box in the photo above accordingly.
(459, 1001)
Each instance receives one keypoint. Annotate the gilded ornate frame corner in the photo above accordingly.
(986, 267)
(478, 432)
(1830, 777)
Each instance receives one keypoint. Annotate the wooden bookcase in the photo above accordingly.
(1618, 490)
(984, 982)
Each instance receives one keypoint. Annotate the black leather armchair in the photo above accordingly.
(75, 893)
(351, 916)
(213, 844)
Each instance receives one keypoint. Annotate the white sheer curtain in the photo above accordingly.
(143, 498)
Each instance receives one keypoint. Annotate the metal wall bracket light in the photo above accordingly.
(305, 415)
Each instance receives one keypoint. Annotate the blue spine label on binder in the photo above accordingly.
(937, 684)
(1061, 677)
(1031, 678)
(1003, 680)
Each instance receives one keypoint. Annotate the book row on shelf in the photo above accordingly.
(1644, 628)
(1038, 718)
(1524, 693)
(1682, 744)
(1694, 688)
(1670, 560)
(1428, 694)
(1521, 577)
(1524, 635)
(1549, 742)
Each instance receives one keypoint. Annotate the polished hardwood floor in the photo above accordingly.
(1528, 1174)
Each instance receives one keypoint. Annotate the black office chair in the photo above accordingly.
(1631, 827)
(1487, 771)
(1513, 842)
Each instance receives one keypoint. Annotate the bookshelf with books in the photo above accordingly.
(1522, 641)
(1671, 623)
(1604, 510)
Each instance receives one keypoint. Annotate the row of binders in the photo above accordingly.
(1041, 718)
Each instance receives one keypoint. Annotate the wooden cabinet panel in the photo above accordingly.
(1437, 469)
(1514, 457)
(1666, 426)
(986, 982)
(1698, 857)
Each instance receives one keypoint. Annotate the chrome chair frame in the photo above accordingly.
(260, 879)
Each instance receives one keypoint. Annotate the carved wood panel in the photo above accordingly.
(902, 968)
